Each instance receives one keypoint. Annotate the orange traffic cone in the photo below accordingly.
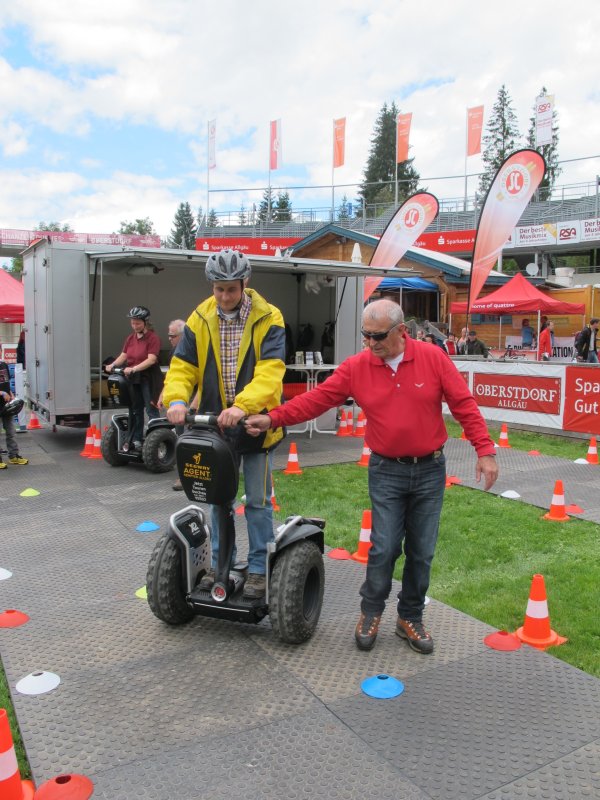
(557, 511)
(364, 539)
(503, 440)
(343, 429)
(97, 450)
(293, 467)
(276, 507)
(364, 459)
(34, 423)
(361, 424)
(536, 629)
(463, 436)
(592, 453)
(89, 442)
(11, 785)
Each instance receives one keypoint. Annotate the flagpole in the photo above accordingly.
(396, 181)
(466, 149)
(333, 174)
(207, 168)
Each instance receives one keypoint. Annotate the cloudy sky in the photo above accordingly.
(104, 106)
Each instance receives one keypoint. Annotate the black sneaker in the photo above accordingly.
(255, 586)
(366, 629)
(416, 635)
(207, 581)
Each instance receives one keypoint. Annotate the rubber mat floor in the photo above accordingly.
(220, 710)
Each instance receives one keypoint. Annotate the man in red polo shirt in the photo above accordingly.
(400, 385)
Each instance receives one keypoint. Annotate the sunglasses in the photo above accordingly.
(172, 335)
(378, 337)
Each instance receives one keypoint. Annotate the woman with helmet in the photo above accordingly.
(233, 349)
(140, 354)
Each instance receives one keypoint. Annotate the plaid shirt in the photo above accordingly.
(231, 335)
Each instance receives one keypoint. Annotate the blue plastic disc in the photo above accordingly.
(147, 526)
(382, 686)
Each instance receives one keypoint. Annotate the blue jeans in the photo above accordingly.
(406, 502)
(592, 357)
(142, 398)
(259, 512)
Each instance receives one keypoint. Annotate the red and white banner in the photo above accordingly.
(403, 122)
(8, 353)
(408, 223)
(474, 128)
(520, 392)
(246, 244)
(448, 241)
(582, 400)
(21, 238)
(544, 106)
(275, 151)
(212, 137)
(339, 142)
(510, 191)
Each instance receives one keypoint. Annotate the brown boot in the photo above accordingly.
(366, 630)
(416, 635)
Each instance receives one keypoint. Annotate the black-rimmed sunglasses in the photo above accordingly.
(378, 337)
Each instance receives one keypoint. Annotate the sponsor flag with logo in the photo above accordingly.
(544, 106)
(402, 136)
(414, 215)
(515, 182)
(212, 135)
(339, 142)
(275, 153)
(474, 128)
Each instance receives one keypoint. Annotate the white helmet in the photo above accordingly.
(228, 265)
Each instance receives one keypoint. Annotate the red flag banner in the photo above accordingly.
(510, 191)
(339, 142)
(414, 215)
(474, 128)
(402, 136)
(275, 145)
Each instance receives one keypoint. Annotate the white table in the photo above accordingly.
(312, 372)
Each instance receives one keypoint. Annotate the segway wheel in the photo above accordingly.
(296, 592)
(109, 448)
(164, 583)
(158, 450)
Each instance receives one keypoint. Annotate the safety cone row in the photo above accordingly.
(536, 630)
(34, 423)
(293, 467)
(89, 442)
(364, 459)
(557, 511)
(503, 440)
(364, 539)
(344, 429)
(361, 424)
(592, 453)
(11, 785)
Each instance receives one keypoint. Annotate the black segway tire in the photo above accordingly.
(109, 450)
(296, 592)
(164, 583)
(158, 450)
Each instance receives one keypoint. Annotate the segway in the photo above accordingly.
(295, 576)
(157, 451)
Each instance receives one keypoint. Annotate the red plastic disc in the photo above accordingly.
(65, 787)
(339, 554)
(11, 618)
(502, 640)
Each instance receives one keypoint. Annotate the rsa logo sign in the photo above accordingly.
(543, 108)
(567, 233)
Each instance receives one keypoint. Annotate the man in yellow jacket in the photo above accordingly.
(233, 349)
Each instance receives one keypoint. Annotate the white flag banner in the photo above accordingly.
(544, 106)
(212, 135)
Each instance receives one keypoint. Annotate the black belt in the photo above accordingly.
(414, 459)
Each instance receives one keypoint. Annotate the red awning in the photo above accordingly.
(12, 298)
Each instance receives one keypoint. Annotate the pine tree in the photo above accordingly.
(183, 233)
(200, 218)
(143, 227)
(213, 220)
(549, 151)
(501, 138)
(282, 211)
(55, 227)
(343, 212)
(381, 164)
(242, 216)
(265, 204)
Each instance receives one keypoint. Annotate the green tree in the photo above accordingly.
(183, 233)
(55, 227)
(213, 220)
(143, 227)
(500, 139)
(342, 211)
(282, 211)
(200, 218)
(380, 172)
(16, 267)
(265, 204)
(242, 216)
(549, 151)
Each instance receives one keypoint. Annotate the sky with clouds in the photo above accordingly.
(104, 106)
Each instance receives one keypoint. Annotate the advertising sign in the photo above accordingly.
(9, 353)
(582, 400)
(535, 234)
(519, 392)
(264, 247)
(448, 241)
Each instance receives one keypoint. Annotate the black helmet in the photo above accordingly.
(228, 265)
(139, 312)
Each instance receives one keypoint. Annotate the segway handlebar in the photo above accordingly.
(201, 419)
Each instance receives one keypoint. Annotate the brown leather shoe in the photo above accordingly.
(416, 636)
(366, 630)
(255, 586)
(177, 487)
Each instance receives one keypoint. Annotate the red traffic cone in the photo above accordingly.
(463, 436)
(592, 453)
(364, 459)
(34, 423)
(503, 440)
(361, 424)
(65, 787)
(293, 467)
(364, 539)
(276, 507)
(557, 511)
(89, 442)
(343, 429)
(97, 449)
(11, 785)
(536, 630)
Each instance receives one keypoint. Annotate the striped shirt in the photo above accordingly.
(231, 331)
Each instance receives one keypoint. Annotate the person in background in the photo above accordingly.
(587, 349)
(545, 347)
(400, 385)
(8, 420)
(461, 344)
(450, 344)
(21, 349)
(140, 353)
(527, 334)
(475, 347)
(233, 349)
(420, 334)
